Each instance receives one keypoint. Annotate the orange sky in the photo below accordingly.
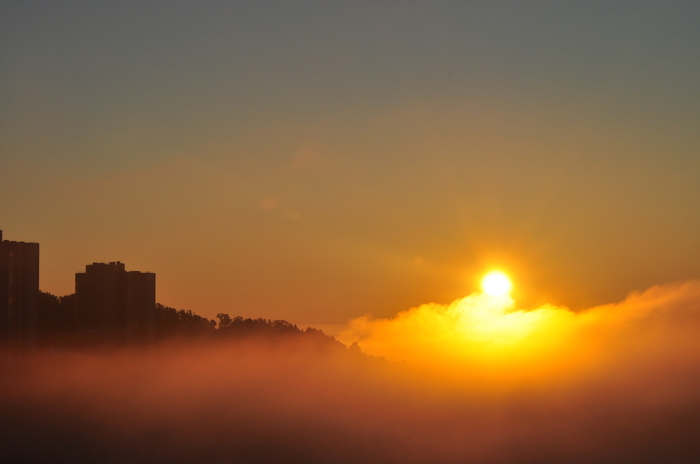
(317, 163)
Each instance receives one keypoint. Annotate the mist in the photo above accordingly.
(616, 383)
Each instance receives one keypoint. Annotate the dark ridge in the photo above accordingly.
(57, 328)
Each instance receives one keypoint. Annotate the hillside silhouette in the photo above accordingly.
(56, 328)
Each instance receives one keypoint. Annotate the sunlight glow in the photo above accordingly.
(496, 283)
(481, 337)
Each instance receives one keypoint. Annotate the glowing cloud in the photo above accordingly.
(488, 339)
(617, 384)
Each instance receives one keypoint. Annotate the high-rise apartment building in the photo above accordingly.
(140, 306)
(114, 306)
(19, 290)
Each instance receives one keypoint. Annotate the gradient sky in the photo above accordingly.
(317, 161)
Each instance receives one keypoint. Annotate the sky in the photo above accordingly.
(322, 161)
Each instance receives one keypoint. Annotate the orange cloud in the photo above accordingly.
(615, 384)
(489, 339)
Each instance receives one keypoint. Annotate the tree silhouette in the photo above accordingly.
(224, 321)
(56, 325)
(170, 322)
(55, 319)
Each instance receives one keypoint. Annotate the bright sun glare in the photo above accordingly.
(496, 283)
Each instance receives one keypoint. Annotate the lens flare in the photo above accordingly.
(496, 283)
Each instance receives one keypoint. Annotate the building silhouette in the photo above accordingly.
(114, 306)
(19, 290)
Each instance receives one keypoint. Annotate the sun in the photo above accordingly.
(496, 283)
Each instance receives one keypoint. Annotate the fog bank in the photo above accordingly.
(632, 395)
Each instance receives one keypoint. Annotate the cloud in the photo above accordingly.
(614, 384)
(489, 340)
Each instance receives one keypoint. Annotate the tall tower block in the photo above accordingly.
(114, 306)
(19, 290)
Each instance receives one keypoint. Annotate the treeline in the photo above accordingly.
(56, 325)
